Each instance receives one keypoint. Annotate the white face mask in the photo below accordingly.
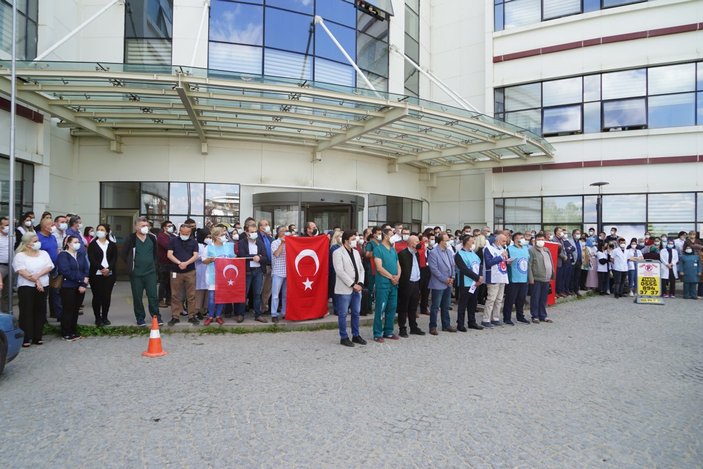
(432, 243)
(5, 229)
(36, 245)
(253, 235)
(540, 243)
(100, 234)
(144, 230)
(235, 237)
(524, 242)
(623, 246)
(28, 223)
(208, 241)
(353, 242)
(406, 237)
(80, 226)
(169, 229)
(689, 251)
(267, 229)
(185, 237)
(91, 233)
(75, 246)
(565, 236)
(633, 246)
(577, 235)
(223, 239)
(240, 231)
(379, 237)
(63, 226)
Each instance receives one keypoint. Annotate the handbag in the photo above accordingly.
(56, 281)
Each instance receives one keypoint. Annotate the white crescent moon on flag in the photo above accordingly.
(307, 253)
(233, 267)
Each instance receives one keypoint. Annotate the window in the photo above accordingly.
(565, 91)
(563, 210)
(339, 11)
(154, 199)
(624, 208)
(148, 31)
(523, 97)
(563, 120)
(222, 203)
(624, 84)
(27, 17)
(412, 46)
(24, 186)
(372, 45)
(523, 210)
(287, 31)
(558, 8)
(521, 13)
(119, 195)
(674, 110)
(671, 207)
(624, 114)
(391, 209)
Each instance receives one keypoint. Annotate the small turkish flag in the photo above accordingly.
(307, 275)
(230, 280)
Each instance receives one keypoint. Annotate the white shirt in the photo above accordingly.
(619, 256)
(415, 270)
(253, 251)
(33, 265)
(104, 263)
(60, 236)
(632, 253)
(4, 248)
(602, 267)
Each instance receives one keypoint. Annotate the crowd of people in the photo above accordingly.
(388, 271)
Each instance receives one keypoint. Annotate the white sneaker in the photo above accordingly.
(632, 294)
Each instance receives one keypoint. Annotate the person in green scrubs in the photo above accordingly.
(387, 278)
(140, 255)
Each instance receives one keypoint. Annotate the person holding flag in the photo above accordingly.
(219, 248)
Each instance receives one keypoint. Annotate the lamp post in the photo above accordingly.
(599, 204)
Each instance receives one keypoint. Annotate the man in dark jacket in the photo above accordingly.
(183, 252)
(139, 253)
(253, 248)
(165, 265)
(409, 287)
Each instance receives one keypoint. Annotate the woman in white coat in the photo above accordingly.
(669, 258)
(349, 273)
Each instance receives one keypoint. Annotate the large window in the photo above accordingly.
(391, 209)
(24, 187)
(658, 213)
(206, 203)
(412, 46)
(653, 97)
(27, 14)
(514, 13)
(278, 38)
(148, 31)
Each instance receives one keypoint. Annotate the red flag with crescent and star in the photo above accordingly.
(230, 280)
(307, 271)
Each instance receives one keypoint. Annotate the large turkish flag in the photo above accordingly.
(230, 280)
(306, 277)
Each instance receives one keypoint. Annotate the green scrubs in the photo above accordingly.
(386, 292)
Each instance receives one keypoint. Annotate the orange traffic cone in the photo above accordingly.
(154, 349)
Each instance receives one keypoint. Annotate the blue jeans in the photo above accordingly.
(538, 300)
(343, 303)
(384, 314)
(55, 298)
(632, 277)
(440, 299)
(255, 283)
(278, 284)
(213, 310)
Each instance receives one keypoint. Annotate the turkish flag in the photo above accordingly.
(307, 275)
(400, 245)
(230, 280)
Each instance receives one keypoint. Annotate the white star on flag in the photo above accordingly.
(308, 284)
(230, 282)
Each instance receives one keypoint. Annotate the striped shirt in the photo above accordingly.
(278, 264)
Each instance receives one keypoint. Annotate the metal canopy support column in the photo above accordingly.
(188, 105)
(76, 30)
(11, 182)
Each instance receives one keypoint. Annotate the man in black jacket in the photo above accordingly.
(253, 248)
(409, 287)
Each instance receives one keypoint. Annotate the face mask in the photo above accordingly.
(63, 226)
(235, 237)
(406, 237)
(656, 243)
(623, 246)
(185, 237)
(75, 246)
(664, 240)
(379, 237)
(432, 242)
(689, 251)
(5, 229)
(80, 226)
(253, 235)
(36, 245)
(100, 234)
(144, 230)
(223, 239)
(633, 246)
(682, 238)
(207, 241)
(540, 243)
(169, 229)
(612, 233)
(577, 235)
(670, 245)
(353, 242)
(240, 231)
(267, 229)
(91, 233)
(565, 236)
(28, 223)
(524, 242)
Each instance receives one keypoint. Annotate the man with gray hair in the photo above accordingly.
(140, 255)
(495, 259)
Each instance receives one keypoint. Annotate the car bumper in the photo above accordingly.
(14, 343)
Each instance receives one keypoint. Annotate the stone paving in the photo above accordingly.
(609, 384)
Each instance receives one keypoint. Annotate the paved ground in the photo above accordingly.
(609, 384)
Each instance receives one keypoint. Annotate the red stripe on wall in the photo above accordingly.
(602, 163)
(22, 111)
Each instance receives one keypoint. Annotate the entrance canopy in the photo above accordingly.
(115, 101)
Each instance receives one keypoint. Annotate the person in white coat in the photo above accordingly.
(633, 255)
(669, 258)
(349, 272)
(619, 259)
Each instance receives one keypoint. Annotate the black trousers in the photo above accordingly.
(164, 283)
(515, 295)
(425, 290)
(467, 305)
(408, 299)
(69, 318)
(618, 282)
(32, 304)
(603, 282)
(669, 285)
(101, 287)
(575, 281)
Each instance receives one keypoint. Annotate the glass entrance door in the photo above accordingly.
(121, 225)
(327, 216)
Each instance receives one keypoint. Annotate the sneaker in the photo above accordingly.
(160, 321)
(496, 323)
(208, 321)
(487, 325)
(378, 339)
(174, 321)
(106, 322)
(67, 338)
(358, 340)
(632, 294)
(346, 342)
(392, 337)
(220, 321)
(535, 321)
(547, 320)
(141, 323)
(76, 337)
(194, 321)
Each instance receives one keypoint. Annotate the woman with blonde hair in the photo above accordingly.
(32, 266)
(219, 247)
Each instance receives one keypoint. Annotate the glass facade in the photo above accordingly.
(24, 186)
(206, 203)
(412, 46)
(515, 13)
(652, 97)
(658, 213)
(148, 31)
(27, 18)
(278, 38)
(391, 209)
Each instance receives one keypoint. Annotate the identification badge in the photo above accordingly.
(473, 288)
(173, 275)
